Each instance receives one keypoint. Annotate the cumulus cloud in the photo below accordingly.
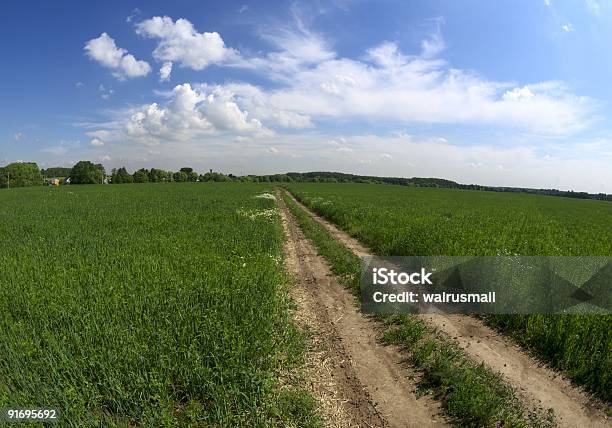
(18, 136)
(124, 65)
(164, 71)
(256, 101)
(568, 28)
(180, 42)
(190, 113)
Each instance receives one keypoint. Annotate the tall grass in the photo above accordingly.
(144, 305)
(394, 220)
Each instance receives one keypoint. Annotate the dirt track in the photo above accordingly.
(358, 381)
(536, 385)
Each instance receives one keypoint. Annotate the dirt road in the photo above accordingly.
(535, 384)
(358, 381)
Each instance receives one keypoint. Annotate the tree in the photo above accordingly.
(86, 172)
(120, 176)
(191, 174)
(214, 176)
(180, 176)
(56, 172)
(20, 174)
(141, 176)
(158, 175)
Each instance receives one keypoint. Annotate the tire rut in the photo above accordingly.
(358, 381)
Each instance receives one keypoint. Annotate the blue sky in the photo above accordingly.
(511, 93)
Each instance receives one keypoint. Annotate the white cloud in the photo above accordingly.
(105, 93)
(96, 142)
(124, 65)
(18, 136)
(434, 45)
(256, 101)
(164, 71)
(79, 85)
(568, 28)
(547, 2)
(101, 134)
(191, 113)
(295, 49)
(180, 42)
(386, 55)
(134, 14)
(243, 8)
(403, 89)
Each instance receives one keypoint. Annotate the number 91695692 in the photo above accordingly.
(20, 414)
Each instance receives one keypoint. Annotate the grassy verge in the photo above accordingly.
(471, 394)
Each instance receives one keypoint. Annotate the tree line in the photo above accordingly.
(21, 174)
(24, 174)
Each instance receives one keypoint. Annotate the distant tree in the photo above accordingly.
(56, 172)
(86, 172)
(20, 174)
(120, 176)
(191, 174)
(141, 176)
(214, 176)
(158, 175)
(180, 176)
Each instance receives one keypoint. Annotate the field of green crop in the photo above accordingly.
(395, 220)
(149, 305)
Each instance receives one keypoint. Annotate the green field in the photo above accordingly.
(151, 305)
(395, 220)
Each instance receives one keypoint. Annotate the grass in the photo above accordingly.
(148, 305)
(404, 221)
(471, 394)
